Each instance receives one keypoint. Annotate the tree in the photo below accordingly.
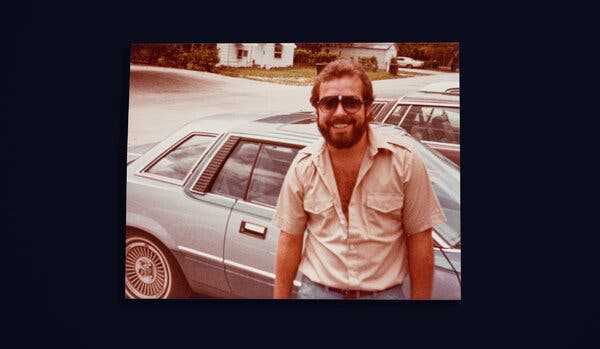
(428, 51)
(202, 57)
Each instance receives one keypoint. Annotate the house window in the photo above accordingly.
(242, 53)
(278, 50)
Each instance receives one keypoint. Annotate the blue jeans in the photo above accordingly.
(311, 290)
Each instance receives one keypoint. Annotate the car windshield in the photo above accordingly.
(445, 178)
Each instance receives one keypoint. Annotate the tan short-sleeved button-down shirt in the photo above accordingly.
(392, 197)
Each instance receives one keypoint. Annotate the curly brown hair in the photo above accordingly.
(340, 68)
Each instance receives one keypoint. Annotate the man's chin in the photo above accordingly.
(343, 141)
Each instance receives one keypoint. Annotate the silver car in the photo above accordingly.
(199, 208)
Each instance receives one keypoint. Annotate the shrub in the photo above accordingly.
(307, 57)
(324, 57)
(190, 56)
(303, 57)
(431, 64)
(368, 63)
(202, 58)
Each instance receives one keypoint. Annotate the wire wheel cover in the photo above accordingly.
(147, 273)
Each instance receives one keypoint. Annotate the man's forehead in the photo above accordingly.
(344, 82)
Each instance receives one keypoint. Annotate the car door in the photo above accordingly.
(251, 239)
(246, 174)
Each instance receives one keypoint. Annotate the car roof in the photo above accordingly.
(430, 98)
(445, 87)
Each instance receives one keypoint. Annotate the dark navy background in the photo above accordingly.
(65, 99)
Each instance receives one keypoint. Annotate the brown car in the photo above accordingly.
(431, 117)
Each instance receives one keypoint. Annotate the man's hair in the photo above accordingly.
(338, 69)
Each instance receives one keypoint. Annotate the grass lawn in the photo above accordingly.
(299, 75)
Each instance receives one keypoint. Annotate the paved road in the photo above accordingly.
(161, 100)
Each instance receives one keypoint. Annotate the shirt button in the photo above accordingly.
(343, 221)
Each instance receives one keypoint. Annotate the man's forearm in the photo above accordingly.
(420, 263)
(287, 260)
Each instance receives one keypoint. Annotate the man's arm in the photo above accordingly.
(287, 260)
(420, 264)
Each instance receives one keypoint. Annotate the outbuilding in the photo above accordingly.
(383, 51)
(264, 55)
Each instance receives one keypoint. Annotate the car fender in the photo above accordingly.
(151, 227)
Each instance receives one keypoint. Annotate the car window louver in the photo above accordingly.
(211, 171)
(376, 108)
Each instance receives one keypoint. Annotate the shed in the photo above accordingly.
(383, 51)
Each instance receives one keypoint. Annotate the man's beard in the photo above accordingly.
(343, 141)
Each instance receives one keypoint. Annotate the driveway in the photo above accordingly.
(161, 100)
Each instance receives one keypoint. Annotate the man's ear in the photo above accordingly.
(369, 114)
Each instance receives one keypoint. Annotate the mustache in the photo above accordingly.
(341, 119)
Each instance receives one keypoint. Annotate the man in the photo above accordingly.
(365, 200)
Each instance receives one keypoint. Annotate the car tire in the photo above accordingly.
(151, 272)
(409, 66)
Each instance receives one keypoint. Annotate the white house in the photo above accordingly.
(264, 55)
(383, 51)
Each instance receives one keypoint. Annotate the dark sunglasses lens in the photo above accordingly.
(328, 103)
(351, 104)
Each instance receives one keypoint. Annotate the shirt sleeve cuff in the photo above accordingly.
(288, 226)
(435, 219)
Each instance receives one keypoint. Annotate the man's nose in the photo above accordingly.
(339, 109)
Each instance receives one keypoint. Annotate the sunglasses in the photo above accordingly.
(351, 104)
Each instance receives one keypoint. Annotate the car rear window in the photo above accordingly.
(179, 160)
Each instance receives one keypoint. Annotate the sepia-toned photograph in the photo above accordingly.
(293, 171)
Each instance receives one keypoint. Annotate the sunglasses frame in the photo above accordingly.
(340, 100)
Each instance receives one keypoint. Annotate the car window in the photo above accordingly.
(376, 108)
(267, 178)
(233, 178)
(178, 162)
(395, 117)
(442, 124)
(414, 122)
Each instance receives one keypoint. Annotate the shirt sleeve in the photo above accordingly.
(289, 213)
(422, 209)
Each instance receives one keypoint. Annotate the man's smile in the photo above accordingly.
(340, 125)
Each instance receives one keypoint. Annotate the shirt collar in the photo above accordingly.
(376, 142)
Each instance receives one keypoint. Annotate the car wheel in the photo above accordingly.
(151, 271)
(409, 66)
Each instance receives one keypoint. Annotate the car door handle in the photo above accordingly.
(253, 230)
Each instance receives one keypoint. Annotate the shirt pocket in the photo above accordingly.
(316, 205)
(384, 213)
(321, 215)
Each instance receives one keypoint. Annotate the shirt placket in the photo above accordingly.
(356, 226)
(325, 170)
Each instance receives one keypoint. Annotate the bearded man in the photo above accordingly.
(364, 200)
